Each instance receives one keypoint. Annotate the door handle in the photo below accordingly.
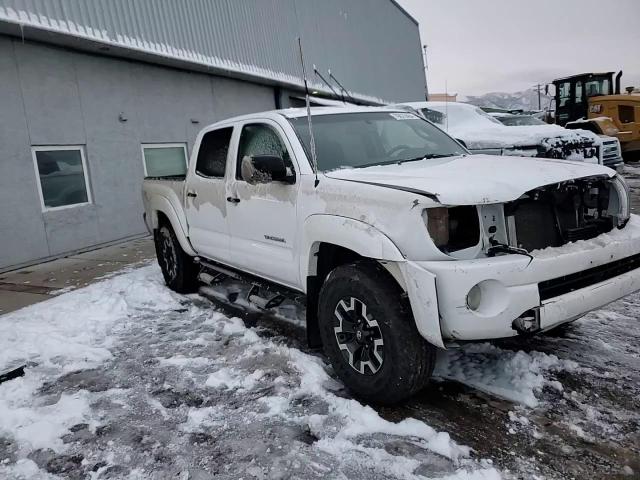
(233, 200)
(192, 194)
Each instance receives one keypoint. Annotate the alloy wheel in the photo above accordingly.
(359, 336)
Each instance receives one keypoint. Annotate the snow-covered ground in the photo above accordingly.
(126, 379)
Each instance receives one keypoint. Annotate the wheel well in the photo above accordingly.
(163, 219)
(325, 257)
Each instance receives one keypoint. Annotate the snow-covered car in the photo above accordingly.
(609, 149)
(482, 133)
(400, 240)
(516, 120)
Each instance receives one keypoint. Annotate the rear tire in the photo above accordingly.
(369, 334)
(178, 269)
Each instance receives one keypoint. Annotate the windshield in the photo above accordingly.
(373, 138)
(595, 87)
(520, 120)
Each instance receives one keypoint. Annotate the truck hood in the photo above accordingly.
(472, 179)
(502, 136)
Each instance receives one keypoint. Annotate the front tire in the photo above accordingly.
(369, 335)
(178, 269)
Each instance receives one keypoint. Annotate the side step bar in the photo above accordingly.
(263, 294)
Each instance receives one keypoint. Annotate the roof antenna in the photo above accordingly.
(312, 142)
(341, 91)
(340, 85)
(317, 72)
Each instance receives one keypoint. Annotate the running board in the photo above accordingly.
(271, 296)
(264, 303)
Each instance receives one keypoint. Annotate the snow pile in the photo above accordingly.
(514, 376)
(75, 330)
(70, 332)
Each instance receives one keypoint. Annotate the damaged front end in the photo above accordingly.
(547, 216)
(555, 215)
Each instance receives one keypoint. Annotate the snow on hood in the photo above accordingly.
(473, 179)
(479, 130)
(497, 136)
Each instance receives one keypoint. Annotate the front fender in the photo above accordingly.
(369, 242)
(358, 236)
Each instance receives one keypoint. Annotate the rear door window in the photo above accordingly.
(212, 156)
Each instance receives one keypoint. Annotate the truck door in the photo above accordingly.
(205, 202)
(262, 218)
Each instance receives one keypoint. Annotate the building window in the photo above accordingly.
(164, 159)
(62, 174)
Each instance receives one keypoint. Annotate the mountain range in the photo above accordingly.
(525, 100)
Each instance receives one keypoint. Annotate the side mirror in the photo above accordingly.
(266, 169)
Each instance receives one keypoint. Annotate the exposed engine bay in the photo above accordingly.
(548, 216)
(559, 214)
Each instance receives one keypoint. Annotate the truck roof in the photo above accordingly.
(302, 112)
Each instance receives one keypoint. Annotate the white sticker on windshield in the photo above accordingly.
(404, 116)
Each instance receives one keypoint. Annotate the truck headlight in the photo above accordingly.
(624, 202)
(453, 228)
(438, 225)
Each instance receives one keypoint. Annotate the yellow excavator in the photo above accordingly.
(592, 101)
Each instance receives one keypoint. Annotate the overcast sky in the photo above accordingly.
(509, 45)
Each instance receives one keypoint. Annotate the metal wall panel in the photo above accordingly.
(371, 46)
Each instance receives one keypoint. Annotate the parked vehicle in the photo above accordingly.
(402, 242)
(482, 133)
(516, 119)
(609, 150)
(593, 101)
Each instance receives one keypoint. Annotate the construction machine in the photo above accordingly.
(593, 101)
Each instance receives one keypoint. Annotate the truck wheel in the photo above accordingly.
(178, 269)
(369, 335)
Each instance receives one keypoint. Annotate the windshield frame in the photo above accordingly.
(464, 150)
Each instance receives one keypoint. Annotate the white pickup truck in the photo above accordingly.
(403, 243)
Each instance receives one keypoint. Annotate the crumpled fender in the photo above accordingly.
(420, 285)
(356, 235)
(369, 242)
(159, 203)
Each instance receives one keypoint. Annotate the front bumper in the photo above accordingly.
(510, 286)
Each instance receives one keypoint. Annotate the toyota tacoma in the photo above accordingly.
(401, 241)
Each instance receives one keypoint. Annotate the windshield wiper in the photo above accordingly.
(428, 156)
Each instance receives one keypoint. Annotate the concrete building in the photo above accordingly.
(94, 95)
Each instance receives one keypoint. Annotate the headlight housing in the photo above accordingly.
(621, 211)
(453, 228)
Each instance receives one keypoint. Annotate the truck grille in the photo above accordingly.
(575, 281)
(572, 150)
(610, 153)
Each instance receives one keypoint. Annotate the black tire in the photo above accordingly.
(178, 269)
(384, 373)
